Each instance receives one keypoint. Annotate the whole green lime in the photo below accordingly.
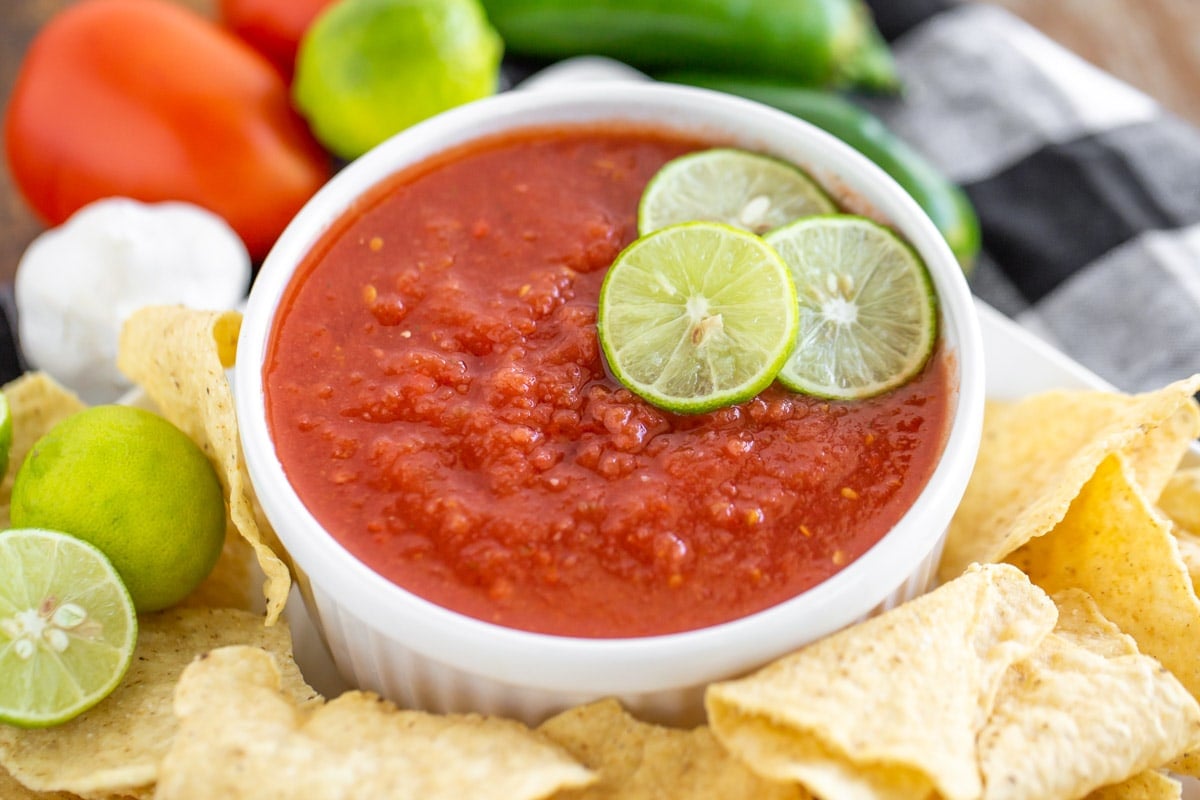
(367, 69)
(137, 488)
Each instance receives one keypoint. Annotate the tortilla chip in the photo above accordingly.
(637, 760)
(36, 403)
(179, 357)
(1145, 786)
(1050, 736)
(12, 789)
(115, 748)
(1180, 500)
(1038, 453)
(1112, 545)
(235, 580)
(825, 718)
(239, 737)
(1186, 764)
(1189, 550)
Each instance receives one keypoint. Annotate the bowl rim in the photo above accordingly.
(612, 665)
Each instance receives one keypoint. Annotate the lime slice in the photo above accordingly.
(868, 313)
(746, 190)
(67, 627)
(697, 316)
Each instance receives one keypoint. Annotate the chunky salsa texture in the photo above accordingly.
(438, 399)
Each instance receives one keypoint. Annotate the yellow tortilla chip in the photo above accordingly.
(179, 357)
(1156, 457)
(36, 403)
(1180, 500)
(1189, 550)
(1038, 453)
(240, 737)
(115, 748)
(637, 760)
(889, 708)
(1146, 786)
(1084, 711)
(12, 789)
(1112, 545)
(235, 580)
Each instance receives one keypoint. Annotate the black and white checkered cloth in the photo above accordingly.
(1088, 191)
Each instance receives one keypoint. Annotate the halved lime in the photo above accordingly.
(750, 191)
(868, 312)
(697, 316)
(67, 627)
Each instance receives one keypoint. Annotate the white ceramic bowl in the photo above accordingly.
(421, 655)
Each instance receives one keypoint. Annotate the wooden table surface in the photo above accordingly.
(1152, 44)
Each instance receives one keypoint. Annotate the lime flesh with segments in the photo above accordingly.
(697, 316)
(868, 312)
(747, 190)
(67, 627)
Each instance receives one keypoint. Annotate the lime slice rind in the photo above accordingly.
(67, 627)
(868, 310)
(697, 316)
(750, 191)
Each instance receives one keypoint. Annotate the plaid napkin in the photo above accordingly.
(1088, 191)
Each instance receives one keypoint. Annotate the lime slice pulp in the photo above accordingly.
(67, 627)
(868, 312)
(753, 192)
(697, 316)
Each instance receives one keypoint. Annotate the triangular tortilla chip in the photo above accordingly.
(234, 582)
(1180, 500)
(179, 357)
(889, 708)
(1189, 550)
(1113, 546)
(36, 403)
(12, 789)
(115, 748)
(240, 737)
(639, 761)
(1145, 786)
(1084, 711)
(1038, 453)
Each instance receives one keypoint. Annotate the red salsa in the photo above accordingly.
(438, 399)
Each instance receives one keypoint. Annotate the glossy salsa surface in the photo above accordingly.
(438, 400)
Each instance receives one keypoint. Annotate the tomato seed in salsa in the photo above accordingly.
(439, 402)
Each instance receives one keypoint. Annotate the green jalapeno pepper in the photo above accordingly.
(813, 42)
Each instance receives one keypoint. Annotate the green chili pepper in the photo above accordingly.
(813, 42)
(945, 203)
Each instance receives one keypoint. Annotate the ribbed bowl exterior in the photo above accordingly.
(369, 658)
